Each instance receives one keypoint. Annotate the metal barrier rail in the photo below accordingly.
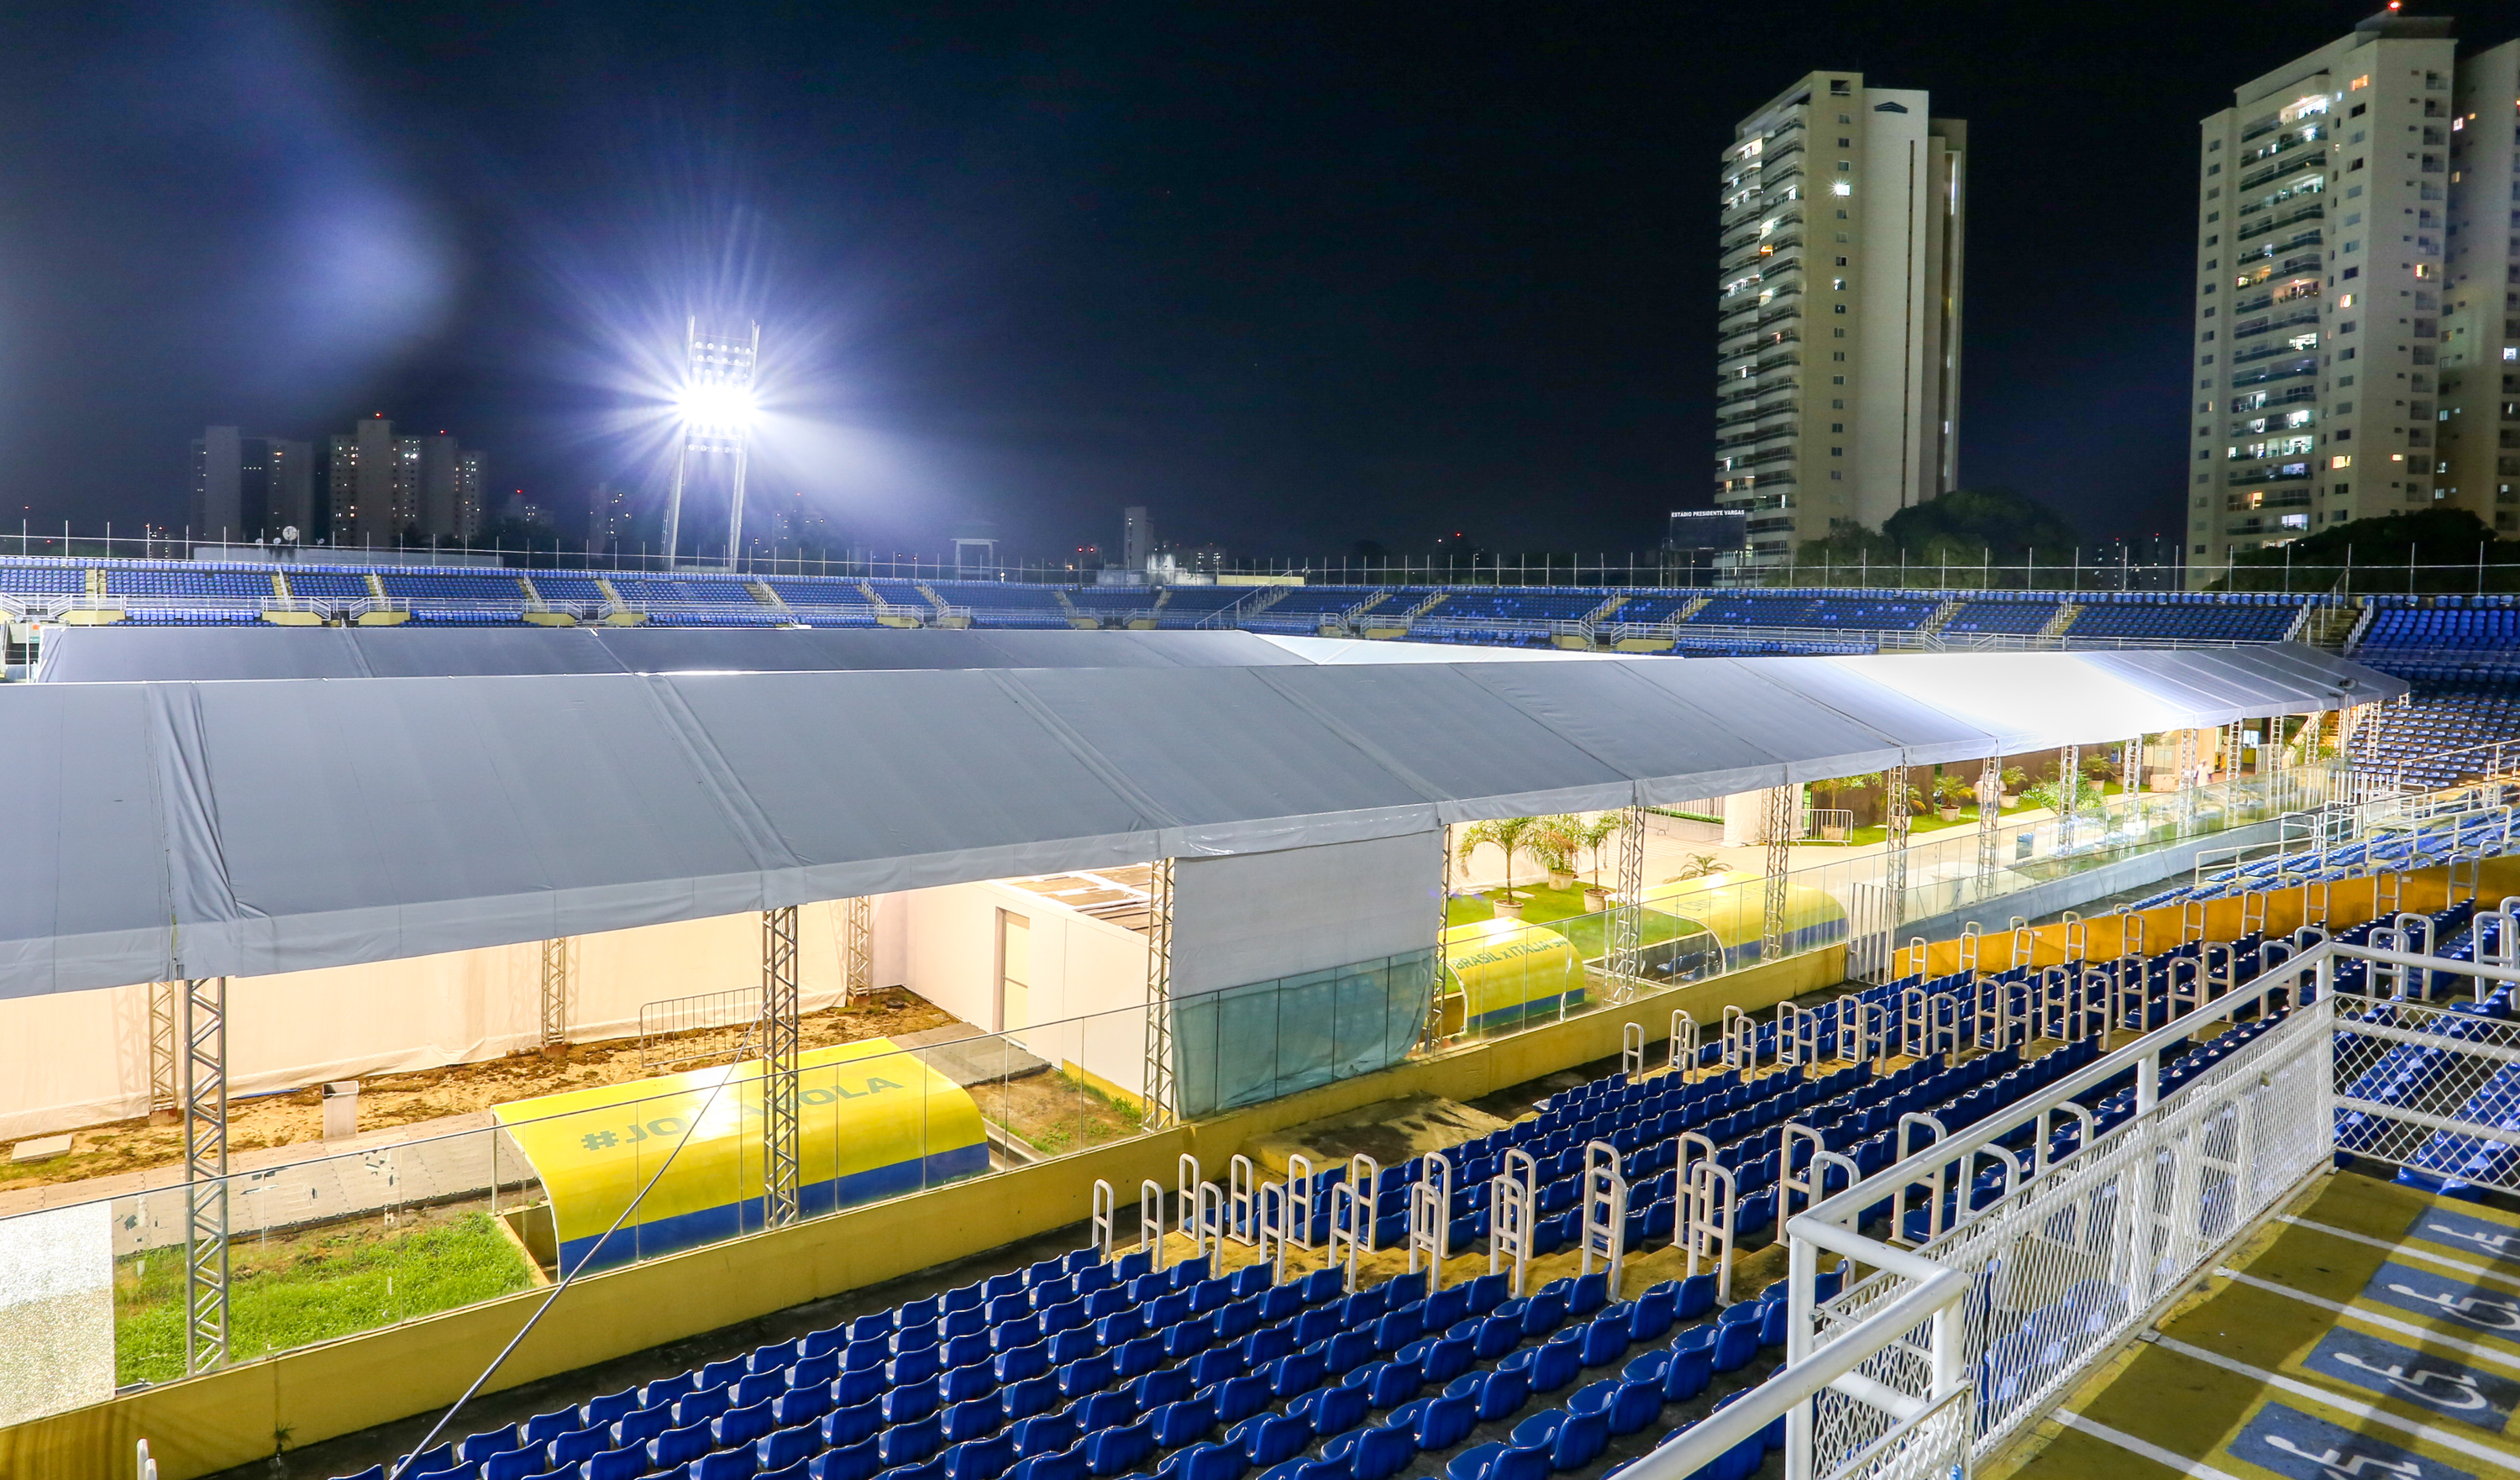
(672, 1017)
(2118, 1225)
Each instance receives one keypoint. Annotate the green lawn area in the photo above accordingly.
(293, 1290)
(1929, 821)
(1545, 906)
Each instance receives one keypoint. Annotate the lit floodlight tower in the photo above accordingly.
(715, 407)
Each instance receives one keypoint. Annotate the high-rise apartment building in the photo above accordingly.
(387, 488)
(2355, 329)
(1839, 311)
(251, 488)
(2478, 467)
(363, 483)
(447, 502)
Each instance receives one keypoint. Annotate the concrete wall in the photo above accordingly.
(78, 1059)
(1081, 967)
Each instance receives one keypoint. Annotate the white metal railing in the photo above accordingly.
(2067, 1259)
(1897, 639)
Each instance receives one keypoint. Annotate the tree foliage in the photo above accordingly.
(1965, 527)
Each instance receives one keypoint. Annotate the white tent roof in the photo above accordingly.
(167, 830)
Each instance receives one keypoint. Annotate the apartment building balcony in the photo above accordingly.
(2274, 350)
(2297, 318)
(2295, 152)
(2250, 230)
(2311, 261)
(1756, 414)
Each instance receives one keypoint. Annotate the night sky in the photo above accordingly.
(1295, 277)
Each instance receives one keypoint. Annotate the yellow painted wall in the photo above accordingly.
(227, 1419)
(2350, 902)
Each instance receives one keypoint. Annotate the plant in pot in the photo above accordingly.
(2013, 779)
(1511, 835)
(1596, 836)
(1553, 842)
(1950, 793)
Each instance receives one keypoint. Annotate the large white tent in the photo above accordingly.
(166, 829)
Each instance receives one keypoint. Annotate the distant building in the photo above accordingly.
(384, 488)
(2356, 345)
(607, 515)
(1137, 538)
(251, 488)
(1838, 311)
(448, 500)
(364, 482)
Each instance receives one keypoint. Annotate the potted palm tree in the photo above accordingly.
(1596, 836)
(2013, 779)
(1553, 842)
(1509, 834)
(1950, 792)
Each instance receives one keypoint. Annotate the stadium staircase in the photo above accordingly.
(1076, 618)
(2329, 627)
(1950, 608)
(1433, 600)
(1696, 605)
(2066, 611)
(762, 593)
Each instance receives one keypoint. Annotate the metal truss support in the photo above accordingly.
(165, 1054)
(1627, 919)
(206, 1172)
(554, 1042)
(857, 947)
(1160, 1109)
(1897, 812)
(780, 1126)
(1784, 819)
(1990, 805)
(2069, 787)
(2187, 768)
(1433, 1032)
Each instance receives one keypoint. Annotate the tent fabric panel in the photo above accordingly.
(214, 827)
(405, 792)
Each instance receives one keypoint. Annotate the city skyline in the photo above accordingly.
(1368, 278)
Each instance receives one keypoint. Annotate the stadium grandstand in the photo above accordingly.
(515, 1024)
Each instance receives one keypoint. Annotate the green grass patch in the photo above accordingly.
(1562, 911)
(293, 1290)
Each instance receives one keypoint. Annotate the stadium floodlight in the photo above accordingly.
(717, 410)
(716, 407)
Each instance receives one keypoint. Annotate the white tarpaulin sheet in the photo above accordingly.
(171, 829)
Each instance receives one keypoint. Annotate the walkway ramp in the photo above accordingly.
(2369, 1332)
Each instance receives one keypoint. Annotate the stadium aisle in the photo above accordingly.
(2371, 1330)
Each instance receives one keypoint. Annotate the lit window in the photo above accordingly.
(2345, 301)
(1841, 188)
(2510, 353)
(2358, 83)
(2344, 460)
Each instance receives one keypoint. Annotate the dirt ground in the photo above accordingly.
(1053, 1115)
(395, 1100)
